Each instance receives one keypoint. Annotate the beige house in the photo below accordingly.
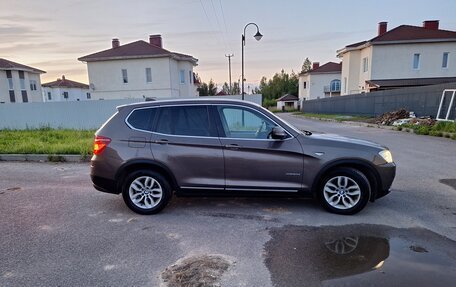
(402, 57)
(140, 70)
(19, 83)
(320, 82)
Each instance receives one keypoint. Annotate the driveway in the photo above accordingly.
(56, 230)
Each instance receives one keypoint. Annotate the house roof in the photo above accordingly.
(135, 50)
(10, 65)
(287, 98)
(65, 83)
(329, 67)
(413, 82)
(405, 34)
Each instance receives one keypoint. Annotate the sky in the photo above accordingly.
(51, 34)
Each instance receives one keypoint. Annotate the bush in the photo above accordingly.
(269, 103)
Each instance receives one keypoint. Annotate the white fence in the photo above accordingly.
(70, 115)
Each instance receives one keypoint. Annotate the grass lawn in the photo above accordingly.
(339, 118)
(46, 141)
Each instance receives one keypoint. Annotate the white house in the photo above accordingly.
(140, 70)
(19, 83)
(320, 82)
(402, 57)
(287, 102)
(65, 90)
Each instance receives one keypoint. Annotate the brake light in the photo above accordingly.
(99, 144)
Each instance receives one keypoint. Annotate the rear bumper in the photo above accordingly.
(387, 172)
(104, 184)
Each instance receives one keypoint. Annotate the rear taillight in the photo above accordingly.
(99, 144)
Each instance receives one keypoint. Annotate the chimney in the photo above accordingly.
(115, 43)
(63, 77)
(431, 24)
(315, 65)
(382, 28)
(156, 40)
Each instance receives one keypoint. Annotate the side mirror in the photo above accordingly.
(278, 133)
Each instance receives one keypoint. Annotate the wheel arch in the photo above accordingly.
(147, 164)
(362, 165)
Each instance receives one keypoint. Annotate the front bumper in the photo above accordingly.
(387, 173)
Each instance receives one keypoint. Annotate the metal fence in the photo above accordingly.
(424, 101)
(69, 115)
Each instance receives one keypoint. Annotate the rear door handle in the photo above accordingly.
(232, 146)
(161, 141)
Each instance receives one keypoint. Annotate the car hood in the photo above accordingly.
(338, 139)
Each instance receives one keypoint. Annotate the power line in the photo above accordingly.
(219, 26)
(224, 23)
(210, 23)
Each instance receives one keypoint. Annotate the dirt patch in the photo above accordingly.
(196, 271)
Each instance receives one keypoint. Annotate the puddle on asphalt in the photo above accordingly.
(359, 255)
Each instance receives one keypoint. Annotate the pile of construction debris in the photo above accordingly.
(390, 117)
(402, 116)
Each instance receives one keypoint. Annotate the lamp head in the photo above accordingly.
(258, 36)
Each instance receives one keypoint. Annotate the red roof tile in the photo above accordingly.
(329, 67)
(10, 65)
(65, 83)
(410, 33)
(134, 50)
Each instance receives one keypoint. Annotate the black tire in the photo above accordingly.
(160, 182)
(359, 201)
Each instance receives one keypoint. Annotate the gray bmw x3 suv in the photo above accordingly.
(148, 151)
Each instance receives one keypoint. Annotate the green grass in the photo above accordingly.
(440, 129)
(46, 141)
(340, 118)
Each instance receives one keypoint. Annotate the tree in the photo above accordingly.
(226, 88)
(212, 88)
(209, 89)
(281, 83)
(307, 65)
(235, 90)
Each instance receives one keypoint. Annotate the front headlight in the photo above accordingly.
(386, 155)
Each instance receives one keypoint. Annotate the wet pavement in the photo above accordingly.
(359, 255)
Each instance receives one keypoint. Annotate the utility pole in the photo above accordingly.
(229, 68)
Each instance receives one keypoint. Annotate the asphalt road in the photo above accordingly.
(56, 230)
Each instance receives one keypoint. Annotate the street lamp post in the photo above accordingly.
(257, 37)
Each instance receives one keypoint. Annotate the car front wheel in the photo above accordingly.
(344, 191)
(146, 192)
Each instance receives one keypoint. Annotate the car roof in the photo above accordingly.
(187, 101)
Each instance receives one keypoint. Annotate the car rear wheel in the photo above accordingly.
(344, 191)
(146, 192)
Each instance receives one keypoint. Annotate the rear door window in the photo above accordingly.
(142, 119)
(185, 121)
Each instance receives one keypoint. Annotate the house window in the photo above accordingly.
(89, 96)
(365, 64)
(148, 75)
(190, 76)
(49, 96)
(182, 76)
(9, 76)
(416, 61)
(32, 85)
(124, 76)
(65, 95)
(305, 85)
(24, 96)
(445, 60)
(335, 86)
(22, 80)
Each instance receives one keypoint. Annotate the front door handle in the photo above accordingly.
(161, 141)
(232, 146)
